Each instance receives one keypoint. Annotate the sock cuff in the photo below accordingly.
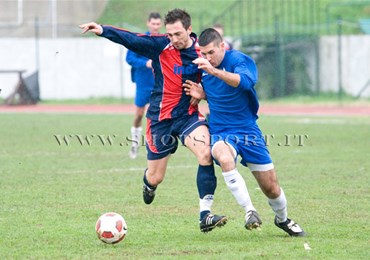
(229, 173)
(146, 181)
(136, 129)
(208, 197)
(205, 167)
(277, 202)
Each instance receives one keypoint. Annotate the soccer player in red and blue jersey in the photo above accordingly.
(171, 115)
(142, 75)
(228, 85)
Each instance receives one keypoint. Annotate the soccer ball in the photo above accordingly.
(111, 228)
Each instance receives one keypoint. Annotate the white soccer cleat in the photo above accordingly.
(133, 152)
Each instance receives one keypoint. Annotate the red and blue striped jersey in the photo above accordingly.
(171, 68)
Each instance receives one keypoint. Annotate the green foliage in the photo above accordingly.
(132, 14)
(51, 194)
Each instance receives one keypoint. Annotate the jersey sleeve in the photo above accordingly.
(247, 70)
(145, 45)
(136, 61)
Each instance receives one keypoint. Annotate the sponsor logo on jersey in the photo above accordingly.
(185, 70)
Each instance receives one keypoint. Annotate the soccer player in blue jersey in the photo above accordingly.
(171, 115)
(228, 85)
(142, 75)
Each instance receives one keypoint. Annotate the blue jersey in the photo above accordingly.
(232, 108)
(171, 68)
(142, 76)
(140, 73)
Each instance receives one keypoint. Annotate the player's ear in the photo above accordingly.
(190, 29)
(222, 45)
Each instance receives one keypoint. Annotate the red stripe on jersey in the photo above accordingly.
(192, 109)
(149, 138)
(172, 82)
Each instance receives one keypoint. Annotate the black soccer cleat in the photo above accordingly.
(209, 222)
(148, 194)
(292, 228)
(252, 220)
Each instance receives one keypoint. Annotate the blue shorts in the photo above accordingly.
(249, 143)
(144, 80)
(162, 136)
(142, 96)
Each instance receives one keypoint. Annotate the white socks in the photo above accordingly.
(279, 206)
(236, 184)
(238, 188)
(136, 136)
(205, 203)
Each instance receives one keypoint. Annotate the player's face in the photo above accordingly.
(154, 25)
(213, 53)
(178, 35)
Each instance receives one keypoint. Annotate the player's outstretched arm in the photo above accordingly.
(91, 27)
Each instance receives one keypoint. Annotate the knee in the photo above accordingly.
(204, 156)
(272, 191)
(226, 161)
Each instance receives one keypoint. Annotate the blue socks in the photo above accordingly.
(206, 183)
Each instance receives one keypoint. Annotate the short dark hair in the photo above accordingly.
(209, 35)
(178, 15)
(154, 15)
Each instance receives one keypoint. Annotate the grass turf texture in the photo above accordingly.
(51, 195)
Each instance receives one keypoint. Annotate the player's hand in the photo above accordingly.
(91, 27)
(204, 64)
(194, 89)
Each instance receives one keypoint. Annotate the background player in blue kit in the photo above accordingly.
(228, 85)
(171, 115)
(142, 75)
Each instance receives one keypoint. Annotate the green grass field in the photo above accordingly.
(51, 194)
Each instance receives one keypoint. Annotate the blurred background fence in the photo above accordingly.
(301, 47)
(287, 39)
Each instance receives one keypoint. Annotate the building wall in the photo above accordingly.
(355, 65)
(78, 68)
(74, 68)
